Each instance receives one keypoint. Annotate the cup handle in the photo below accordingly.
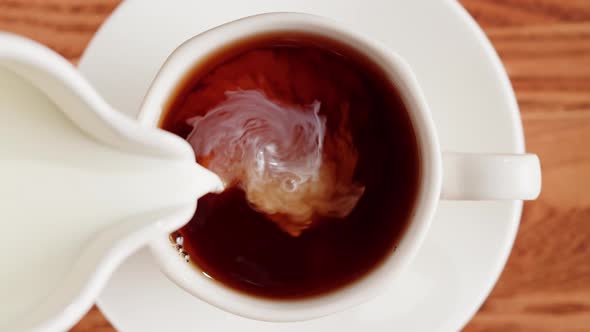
(472, 176)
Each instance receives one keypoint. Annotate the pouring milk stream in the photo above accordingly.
(81, 188)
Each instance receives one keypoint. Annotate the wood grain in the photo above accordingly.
(64, 25)
(545, 46)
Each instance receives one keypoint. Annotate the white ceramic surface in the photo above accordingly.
(468, 243)
(467, 176)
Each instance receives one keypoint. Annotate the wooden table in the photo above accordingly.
(545, 46)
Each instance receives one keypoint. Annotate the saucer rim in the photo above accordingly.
(517, 146)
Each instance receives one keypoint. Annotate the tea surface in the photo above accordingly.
(244, 249)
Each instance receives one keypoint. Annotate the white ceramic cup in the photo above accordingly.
(456, 176)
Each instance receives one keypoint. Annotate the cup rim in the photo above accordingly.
(187, 276)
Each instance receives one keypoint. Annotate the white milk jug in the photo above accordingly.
(81, 188)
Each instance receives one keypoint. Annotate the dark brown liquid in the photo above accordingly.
(239, 246)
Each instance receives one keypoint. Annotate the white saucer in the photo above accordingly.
(474, 110)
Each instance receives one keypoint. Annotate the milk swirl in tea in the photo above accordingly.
(275, 154)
